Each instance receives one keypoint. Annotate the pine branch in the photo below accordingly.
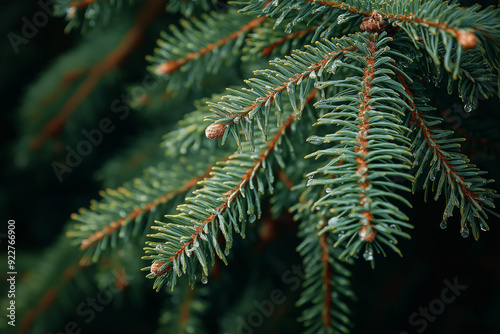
(298, 71)
(130, 206)
(327, 281)
(436, 23)
(190, 8)
(369, 146)
(232, 191)
(88, 14)
(449, 170)
(205, 53)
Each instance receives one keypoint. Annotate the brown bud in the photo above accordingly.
(368, 233)
(155, 268)
(168, 67)
(215, 131)
(467, 39)
(373, 23)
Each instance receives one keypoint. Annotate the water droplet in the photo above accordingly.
(341, 19)
(447, 213)
(334, 294)
(483, 227)
(311, 177)
(467, 107)
(252, 218)
(367, 255)
(315, 140)
(335, 65)
(443, 224)
(465, 232)
(469, 218)
(328, 190)
(159, 247)
(240, 150)
(196, 244)
(312, 75)
(332, 221)
(204, 279)
(432, 177)
(393, 226)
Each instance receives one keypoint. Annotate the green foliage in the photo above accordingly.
(443, 169)
(228, 200)
(186, 53)
(364, 154)
(89, 14)
(337, 130)
(327, 286)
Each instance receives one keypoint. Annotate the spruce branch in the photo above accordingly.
(434, 23)
(327, 279)
(184, 63)
(368, 146)
(130, 206)
(296, 72)
(227, 201)
(449, 171)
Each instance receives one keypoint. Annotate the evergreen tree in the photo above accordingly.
(255, 128)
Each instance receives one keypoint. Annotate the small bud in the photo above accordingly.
(155, 268)
(467, 39)
(373, 23)
(368, 233)
(168, 67)
(215, 131)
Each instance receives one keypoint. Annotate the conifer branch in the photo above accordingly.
(114, 226)
(172, 254)
(371, 148)
(170, 66)
(185, 64)
(232, 191)
(130, 206)
(297, 71)
(449, 170)
(326, 285)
